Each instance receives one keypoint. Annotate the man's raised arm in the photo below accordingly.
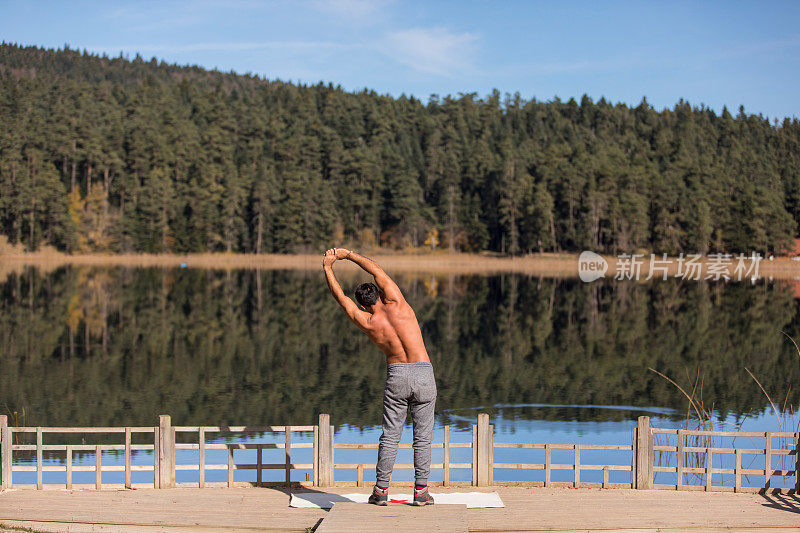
(360, 318)
(390, 289)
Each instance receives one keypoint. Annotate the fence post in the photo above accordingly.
(166, 452)
(288, 454)
(446, 446)
(5, 453)
(484, 441)
(797, 464)
(633, 457)
(491, 454)
(156, 458)
(474, 447)
(325, 451)
(644, 454)
(315, 482)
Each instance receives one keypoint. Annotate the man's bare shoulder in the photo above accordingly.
(399, 308)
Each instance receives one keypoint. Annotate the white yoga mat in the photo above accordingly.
(325, 500)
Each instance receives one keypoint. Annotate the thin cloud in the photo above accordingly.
(297, 46)
(432, 50)
(352, 10)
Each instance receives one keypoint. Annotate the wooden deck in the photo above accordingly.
(527, 509)
(349, 517)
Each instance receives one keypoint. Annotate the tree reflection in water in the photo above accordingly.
(112, 346)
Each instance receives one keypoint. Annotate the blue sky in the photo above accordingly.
(716, 53)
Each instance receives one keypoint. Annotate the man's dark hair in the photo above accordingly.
(367, 294)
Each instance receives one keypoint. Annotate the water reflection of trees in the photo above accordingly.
(92, 346)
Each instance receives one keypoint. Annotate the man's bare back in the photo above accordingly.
(389, 322)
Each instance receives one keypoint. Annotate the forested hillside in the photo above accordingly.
(101, 154)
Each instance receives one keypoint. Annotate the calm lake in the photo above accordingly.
(551, 360)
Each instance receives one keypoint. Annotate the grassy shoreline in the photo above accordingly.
(549, 264)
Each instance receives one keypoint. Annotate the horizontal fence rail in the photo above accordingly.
(699, 460)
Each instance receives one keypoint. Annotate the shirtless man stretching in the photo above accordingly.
(391, 324)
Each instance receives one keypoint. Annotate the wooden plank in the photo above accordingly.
(325, 438)
(316, 456)
(768, 462)
(156, 465)
(288, 449)
(90, 447)
(679, 470)
(121, 429)
(244, 508)
(240, 429)
(577, 481)
(360, 476)
(634, 458)
(737, 471)
(797, 464)
(547, 465)
(474, 455)
(201, 446)
(644, 454)
(166, 452)
(446, 459)
(171, 450)
(254, 466)
(617, 447)
(347, 446)
(259, 465)
(483, 450)
(236, 445)
(732, 451)
(98, 471)
(354, 466)
(702, 470)
(346, 517)
(127, 458)
(68, 465)
(6, 453)
(230, 466)
(39, 458)
(491, 454)
(719, 433)
(613, 468)
(536, 446)
(519, 466)
(605, 477)
(373, 446)
(709, 454)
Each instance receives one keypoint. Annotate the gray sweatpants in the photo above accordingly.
(407, 385)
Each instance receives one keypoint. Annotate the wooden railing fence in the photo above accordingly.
(695, 453)
(162, 440)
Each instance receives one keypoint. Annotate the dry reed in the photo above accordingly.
(699, 416)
